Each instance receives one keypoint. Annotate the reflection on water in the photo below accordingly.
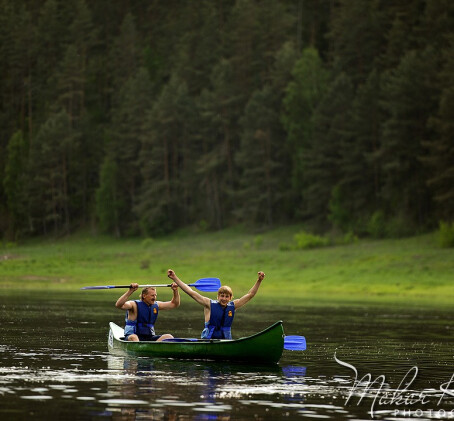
(210, 390)
(56, 362)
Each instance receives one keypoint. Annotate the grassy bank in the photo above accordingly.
(412, 270)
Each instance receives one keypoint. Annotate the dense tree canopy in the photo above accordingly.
(143, 117)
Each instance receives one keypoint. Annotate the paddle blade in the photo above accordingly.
(295, 343)
(101, 287)
(207, 284)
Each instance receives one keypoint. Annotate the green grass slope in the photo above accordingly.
(406, 270)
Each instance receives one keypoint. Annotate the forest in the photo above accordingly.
(140, 117)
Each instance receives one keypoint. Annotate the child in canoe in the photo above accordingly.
(219, 313)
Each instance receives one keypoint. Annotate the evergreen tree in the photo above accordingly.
(219, 110)
(321, 158)
(312, 24)
(263, 180)
(358, 189)
(256, 31)
(410, 94)
(16, 50)
(51, 169)
(303, 95)
(84, 38)
(353, 141)
(108, 203)
(134, 102)
(404, 32)
(14, 183)
(124, 55)
(70, 83)
(164, 160)
(200, 45)
(440, 159)
(263, 158)
(53, 37)
(356, 35)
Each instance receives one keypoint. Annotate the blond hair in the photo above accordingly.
(145, 291)
(225, 290)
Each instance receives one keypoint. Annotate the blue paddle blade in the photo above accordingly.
(207, 284)
(294, 343)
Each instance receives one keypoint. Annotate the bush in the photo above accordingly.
(258, 241)
(304, 240)
(203, 225)
(446, 234)
(339, 215)
(349, 238)
(400, 226)
(376, 226)
(147, 242)
(285, 247)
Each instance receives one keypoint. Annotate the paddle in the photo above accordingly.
(203, 284)
(291, 343)
(295, 343)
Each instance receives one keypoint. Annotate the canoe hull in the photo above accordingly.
(263, 347)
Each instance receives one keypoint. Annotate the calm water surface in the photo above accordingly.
(54, 365)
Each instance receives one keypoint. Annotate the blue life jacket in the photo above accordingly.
(146, 318)
(219, 325)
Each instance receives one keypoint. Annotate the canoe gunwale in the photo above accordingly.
(201, 341)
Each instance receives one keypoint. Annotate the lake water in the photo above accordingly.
(54, 364)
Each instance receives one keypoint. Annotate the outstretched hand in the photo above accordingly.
(261, 275)
(171, 274)
(134, 286)
(174, 286)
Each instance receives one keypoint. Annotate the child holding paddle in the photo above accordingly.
(218, 313)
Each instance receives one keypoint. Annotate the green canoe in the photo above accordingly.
(263, 347)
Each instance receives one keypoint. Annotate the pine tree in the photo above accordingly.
(359, 187)
(356, 35)
(50, 176)
(410, 94)
(404, 32)
(14, 183)
(440, 159)
(108, 203)
(134, 102)
(53, 37)
(303, 95)
(219, 110)
(70, 85)
(263, 177)
(83, 38)
(200, 44)
(124, 55)
(164, 160)
(322, 156)
(265, 190)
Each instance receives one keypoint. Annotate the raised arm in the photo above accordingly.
(204, 301)
(174, 302)
(123, 303)
(240, 302)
